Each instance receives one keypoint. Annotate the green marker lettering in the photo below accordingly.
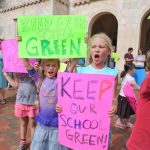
(56, 46)
(45, 47)
(63, 44)
(32, 50)
(75, 48)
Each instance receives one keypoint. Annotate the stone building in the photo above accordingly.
(125, 21)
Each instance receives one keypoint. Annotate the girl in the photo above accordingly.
(3, 81)
(124, 108)
(140, 136)
(100, 48)
(24, 108)
(46, 133)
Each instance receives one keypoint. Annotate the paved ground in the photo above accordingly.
(9, 127)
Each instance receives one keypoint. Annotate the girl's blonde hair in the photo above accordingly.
(148, 60)
(103, 36)
(45, 60)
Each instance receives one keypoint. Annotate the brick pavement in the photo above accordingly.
(9, 127)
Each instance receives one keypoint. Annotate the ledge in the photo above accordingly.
(22, 5)
(64, 2)
(80, 2)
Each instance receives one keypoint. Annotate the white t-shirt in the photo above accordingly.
(128, 78)
(141, 58)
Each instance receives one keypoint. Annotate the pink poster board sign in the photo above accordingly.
(85, 99)
(129, 93)
(10, 57)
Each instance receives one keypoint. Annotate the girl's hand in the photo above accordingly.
(65, 60)
(36, 104)
(72, 64)
(58, 108)
(5, 73)
(19, 38)
(113, 110)
(86, 38)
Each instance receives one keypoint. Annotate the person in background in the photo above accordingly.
(3, 81)
(114, 58)
(124, 109)
(128, 56)
(140, 136)
(25, 108)
(81, 62)
(140, 73)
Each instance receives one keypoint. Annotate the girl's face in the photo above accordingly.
(140, 52)
(51, 68)
(99, 51)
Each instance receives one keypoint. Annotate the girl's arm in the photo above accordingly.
(113, 109)
(135, 86)
(72, 65)
(12, 81)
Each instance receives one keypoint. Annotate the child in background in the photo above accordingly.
(100, 49)
(124, 108)
(24, 108)
(3, 81)
(140, 136)
(46, 133)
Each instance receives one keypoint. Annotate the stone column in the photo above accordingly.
(128, 36)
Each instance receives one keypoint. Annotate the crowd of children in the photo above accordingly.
(42, 86)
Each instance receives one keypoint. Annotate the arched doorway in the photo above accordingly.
(145, 33)
(107, 23)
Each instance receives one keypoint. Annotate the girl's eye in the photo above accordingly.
(53, 65)
(47, 65)
(93, 46)
(102, 47)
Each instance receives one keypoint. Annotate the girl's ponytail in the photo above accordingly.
(123, 73)
(127, 67)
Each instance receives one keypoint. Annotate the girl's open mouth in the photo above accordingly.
(50, 72)
(96, 56)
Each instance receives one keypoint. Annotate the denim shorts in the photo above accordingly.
(46, 138)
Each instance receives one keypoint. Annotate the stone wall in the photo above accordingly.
(12, 3)
(12, 9)
(129, 15)
(8, 25)
(60, 8)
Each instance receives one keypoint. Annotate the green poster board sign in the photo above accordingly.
(115, 56)
(52, 36)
